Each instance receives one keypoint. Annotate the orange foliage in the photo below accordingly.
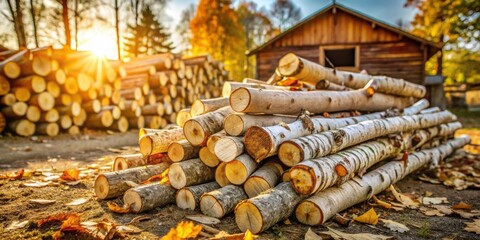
(162, 177)
(70, 175)
(114, 207)
(58, 217)
(184, 230)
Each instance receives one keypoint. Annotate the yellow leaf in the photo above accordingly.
(114, 207)
(473, 226)
(249, 235)
(369, 217)
(71, 175)
(184, 230)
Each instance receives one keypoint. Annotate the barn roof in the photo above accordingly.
(435, 45)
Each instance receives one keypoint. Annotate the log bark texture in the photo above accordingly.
(182, 150)
(129, 161)
(199, 128)
(158, 142)
(149, 196)
(238, 123)
(228, 148)
(222, 201)
(190, 172)
(202, 106)
(189, 197)
(322, 206)
(238, 170)
(264, 178)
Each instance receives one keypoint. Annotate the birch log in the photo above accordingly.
(228, 148)
(229, 87)
(238, 123)
(265, 210)
(213, 139)
(416, 107)
(199, 128)
(238, 170)
(263, 179)
(322, 206)
(303, 70)
(424, 135)
(190, 172)
(263, 142)
(158, 142)
(317, 145)
(114, 184)
(208, 158)
(182, 150)
(202, 106)
(149, 196)
(182, 116)
(222, 201)
(327, 85)
(129, 161)
(248, 100)
(220, 175)
(189, 197)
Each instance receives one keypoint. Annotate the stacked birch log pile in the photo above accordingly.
(157, 87)
(45, 91)
(266, 151)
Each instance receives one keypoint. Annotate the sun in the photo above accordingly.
(100, 42)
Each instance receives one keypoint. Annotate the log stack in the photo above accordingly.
(273, 150)
(45, 91)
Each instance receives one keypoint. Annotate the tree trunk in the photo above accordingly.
(117, 29)
(202, 106)
(34, 22)
(265, 210)
(248, 100)
(10, 67)
(190, 172)
(317, 145)
(66, 24)
(101, 120)
(50, 129)
(228, 148)
(158, 142)
(327, 85)
(229, 87)
(416, 107)
(199, 128)
(322, 206)
(114, 184)
(189, 197)
(301, 69)
(22, 127)
(424, 135)
(208, 158)
(182, 150)
(238, 170)
(129, 161)
(220, 202)
(220, 175)
(21, 94)
(266, 177)
(263, 142)
(149, 196)
(430, 110)
(238, 123)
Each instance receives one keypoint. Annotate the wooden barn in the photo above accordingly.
(337, 36)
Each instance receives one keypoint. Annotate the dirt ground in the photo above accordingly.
(93, 153)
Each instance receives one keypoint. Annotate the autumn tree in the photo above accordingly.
(15, 16)
(148, 36)
(183, 29)
(216, 29)
(453, 22)
(285, 14)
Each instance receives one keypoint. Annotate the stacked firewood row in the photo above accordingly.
(157, 87)
(44, 91)
(268, 151)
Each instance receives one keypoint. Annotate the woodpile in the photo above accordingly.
(283, 148)
(46, 91)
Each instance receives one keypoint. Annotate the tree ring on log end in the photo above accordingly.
(146, 145)
(210, 206)
(234, 125)
(248, 217)
(302, 179)
(177, 177)
(240, 99)
(133, 199)
(258, 143)
(185, 199)
(236, 172)
(290, 153)
(308, 213)
(101, 187)
(194, 132)
(288, 65)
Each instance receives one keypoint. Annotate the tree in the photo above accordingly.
(36, 9)
(66, 23)
(148, 37)
(84, 10)
(453, 22)
(285, 13)
(16, 17)
(183, 29)
(217, 30)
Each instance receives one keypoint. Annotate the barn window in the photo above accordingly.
(340, 57)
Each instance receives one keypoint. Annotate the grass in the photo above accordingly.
(424, 230)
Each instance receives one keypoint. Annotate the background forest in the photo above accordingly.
(225, 29)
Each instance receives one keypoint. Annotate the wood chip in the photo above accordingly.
(203, 219)
(77, 202)
(42, 201)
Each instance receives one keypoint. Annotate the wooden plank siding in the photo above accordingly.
(382, 52)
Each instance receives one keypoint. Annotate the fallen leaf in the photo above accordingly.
(462, 205)
(434, 200)
(465, 214)
(338, 235)
(13, 176)
(431, 212)
(73, 183)
(51, 178)
(378, 202)
(443, 209)
(77, 202)
(42, 201)
(57, 217)
(184, 230)
(114, 207)
(128, 229)
(249, 235)
(36, 184)
(404, 199)
(428, 194)
(162, 177)
(369, 217)
(203, 219)
(71, 175)
(395, 226)
(473, 226)
(287, 222)
(138, 219)
(17, 225)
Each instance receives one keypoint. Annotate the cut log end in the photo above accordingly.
(208, 158)
(146, 145)
(233, 125)
(240, 99)
(302, 179)
(12, 70)
(248, 217)
(185, 199)
(175, 152)
(258, 143)
(176, 176)
(194, 132)
(289, 64)
(134, 200)
(255, 185)
(198, 108)
(290, 153)
(210, 206)
(236, 172)
(101, 187)
(220, 176)
(308, 213)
